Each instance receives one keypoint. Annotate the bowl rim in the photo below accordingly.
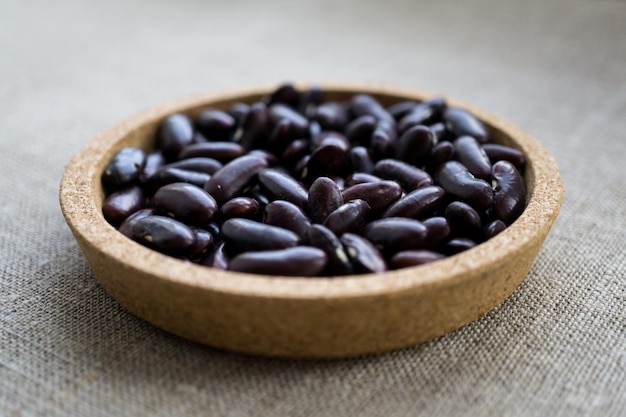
(81, 207)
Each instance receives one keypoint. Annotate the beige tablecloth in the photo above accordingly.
(557, 68)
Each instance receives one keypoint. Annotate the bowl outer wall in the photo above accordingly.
(305, 317)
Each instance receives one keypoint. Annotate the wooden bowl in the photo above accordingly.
(305, 317)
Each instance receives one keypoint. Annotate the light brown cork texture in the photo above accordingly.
(296, 317)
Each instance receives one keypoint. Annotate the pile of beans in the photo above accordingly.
(298, 185)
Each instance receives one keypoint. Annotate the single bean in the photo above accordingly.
(120, 204)
(299, 123)
(362, 104)
(437, 230)
(166, 176)
(247, 235)
(154, 162)
(415, 257)
(383, 142)
(440, 132)
(440, 153)
(185, 202)
(360, 160)
(309, 100)
(425, 113)
(324, 197)
(360, 178)
(255, 126)
(322, 238)
(215, 124)
(510, 191)
(285, 93)
(469, 152)
(282, 134)
(408, 176)
(363, 255)
(287, 215)
(198, 164)
(173, 134)
(417, 204)
(246, 207)
(379, 195)
(394, 234)
(494, 228)
(349, 217)
(164, 234)
(297, 261)
(401, 109)
(498, 152)
(239, 111)
(294, 152)
(222, 151)
(456, 180)
(124, 168)
(457, 245)
(463, 219)
(232, 177)
(415, 145)
(359, 131)
(217, 257)
(328, 159)
(331, 116)
(279, 186)
(204, 240)
(126, 228)
(461, 122)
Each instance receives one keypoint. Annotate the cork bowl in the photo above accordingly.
(298, 317)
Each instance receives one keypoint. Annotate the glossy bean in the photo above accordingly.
(124, 168)
(360, 160)
(120, 204)
(248, 235)
(167, 175)
(440, 153)
(299, 123)
(197, 164)
(204, 241)
(324, 197)
(164, 234)
(281, 135)
(322, 238)
(359, 131)
(232, 177)
(349, 217)
(426, 112)
(309, 100)
(287, 215)
(383, 142)
(417, 204)
(239, 111)
(126, 227)
(297, 261)
(154, 162)
(494, 228)
(222, 151)
(469, 152)
(364, 104)
(294, 151)
(174, 133)
(461, 122)
(498, 152)
(331, 116)
(408, 176)
(215, 124)
(415, 144)
(408, 258)
(285, 93)
(365, 257)
(360, 178)
(185, 202)
(401, 109)
(255, 126)
(510, 192)
(246, 207)
(379, 195)
(396, 233)
(457, 245)
(456, 180)
(217, 257)
(463, 219)
(328, 159)
(279, 186)
(437, 230)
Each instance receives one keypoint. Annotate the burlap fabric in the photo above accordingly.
(70, 68)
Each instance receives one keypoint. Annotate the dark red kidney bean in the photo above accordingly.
(498, 152)
(330, 137)
(338, 262)
(222, 151)
(360, 160)
(324, 197)
(461, 123)
(173, 134)
(300, 168)
(248, 235)
(294, 152)
(440, 153)
(285, 93)
(287, 215)
(379, 195)
(349, 217)
(401, 109)
(246, 207)
(328, 159)
(415, 144)
(510, 192)
(154, 162)
(215, 124)
(425, 113)
(494, 228)
(456, 180)
(414, 257)
(269, 157)
(309, 100)
(394, 234)
(166, 176)
(340, 181)
(280, 186)
(126, 228)
(282, 134)
(457, 245)
(299, 123)
(418, 203)
(331, 116)
(360, 178)
(124, 168)
(185, 202)
(364, 256)
(204, 240)
(362, 104)
(164, 234)
(217, 257)
(198, 164)
(255, 126)
(120, 204)
(463, 219)
(437, 230)
(469, 152)
(297, 261)
(383, 142)
(214, 228)
(360, 130)
(408, 176)
(232, 177)
(239, 111)
(439, 131)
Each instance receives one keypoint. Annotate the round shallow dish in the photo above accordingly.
(305, 317)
